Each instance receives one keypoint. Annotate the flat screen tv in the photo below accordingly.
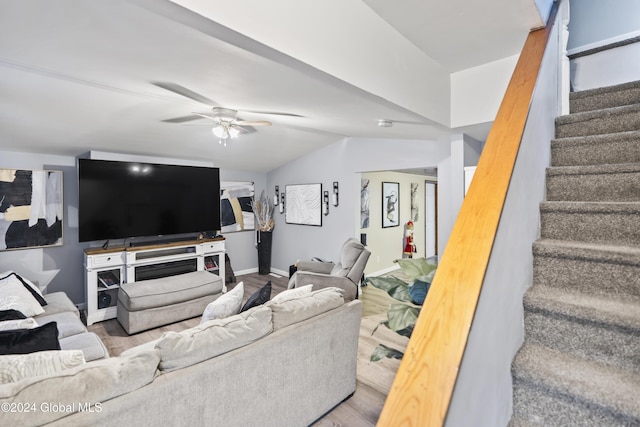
(121, 200)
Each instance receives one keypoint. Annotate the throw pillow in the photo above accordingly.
(292, 293)
(23, 341)
(17, 367)
(259, 297)
(31, 287)
(226, 305)
(11, 315)
(13, 295)
(8, 325)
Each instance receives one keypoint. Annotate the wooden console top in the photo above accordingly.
(99, 250)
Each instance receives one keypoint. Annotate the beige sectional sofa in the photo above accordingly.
(72, 333)
(283, 363)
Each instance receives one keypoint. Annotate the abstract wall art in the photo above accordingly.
(415, 205)
(235, 206)
(31, 208)
(390, 204)
(304, 204)
(364, 203)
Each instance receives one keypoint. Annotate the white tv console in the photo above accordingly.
(107, 269)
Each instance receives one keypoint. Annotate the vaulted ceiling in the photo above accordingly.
(80, 75)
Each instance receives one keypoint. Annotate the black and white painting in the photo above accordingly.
(31, 208)
(303, 204)
(415, 205)
(364, 203)
(390, 204)
(235, 206)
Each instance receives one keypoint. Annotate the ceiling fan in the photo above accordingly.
(227, 124)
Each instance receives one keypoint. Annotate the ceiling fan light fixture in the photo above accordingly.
(233, 132)
(220, 131)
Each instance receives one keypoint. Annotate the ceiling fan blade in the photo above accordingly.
(275, 113)
(407, 122)
(182, 119)
(243, 129)
(181, 90)
(206, 116)
(252, 123)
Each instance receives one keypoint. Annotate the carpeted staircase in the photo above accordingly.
(580, 362)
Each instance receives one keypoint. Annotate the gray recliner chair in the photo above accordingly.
(345, 274)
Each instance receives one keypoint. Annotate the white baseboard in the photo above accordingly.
(280, 272)
(255, 270)
(384, 271)
(247, 271)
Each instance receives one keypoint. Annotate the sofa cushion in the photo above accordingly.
(59, 302)
(92, 347)
(91, 383)
(11, 314)
(28, 285)
(18, 367)
(136, 296)
(305, 306)
(68, 323)
(226, 305)
(13, 295)
(259, 297)
(23, 341)
(212, 338)
(28, 323)
(292, 293)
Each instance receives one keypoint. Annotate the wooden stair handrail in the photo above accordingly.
(423, 387)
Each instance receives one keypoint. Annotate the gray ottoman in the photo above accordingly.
(157, 302)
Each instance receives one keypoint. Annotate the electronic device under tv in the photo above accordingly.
(122, 200)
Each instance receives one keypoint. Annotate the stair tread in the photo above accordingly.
(592, 382)
(590, 251)
(604, 90)
(621, 311)
(595, 114)
(598, 139)
(590, 207)
(594, 169)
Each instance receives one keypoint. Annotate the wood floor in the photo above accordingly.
(374, 379)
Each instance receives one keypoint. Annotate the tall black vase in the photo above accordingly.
(264, 251)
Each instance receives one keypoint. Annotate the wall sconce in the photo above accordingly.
(334, 196)
(281, 208)
(325, 203)
(276, 198)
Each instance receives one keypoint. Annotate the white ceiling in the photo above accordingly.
(77, 75)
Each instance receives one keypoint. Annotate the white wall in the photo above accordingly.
(606, 68)
(388, 65)
(476, 93)
(594, 24)
(483, 391)
(343, 162)
(596, 21)
(465, 151)
(386, 244)
(544, 7)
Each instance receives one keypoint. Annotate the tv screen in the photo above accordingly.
(120, 200)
